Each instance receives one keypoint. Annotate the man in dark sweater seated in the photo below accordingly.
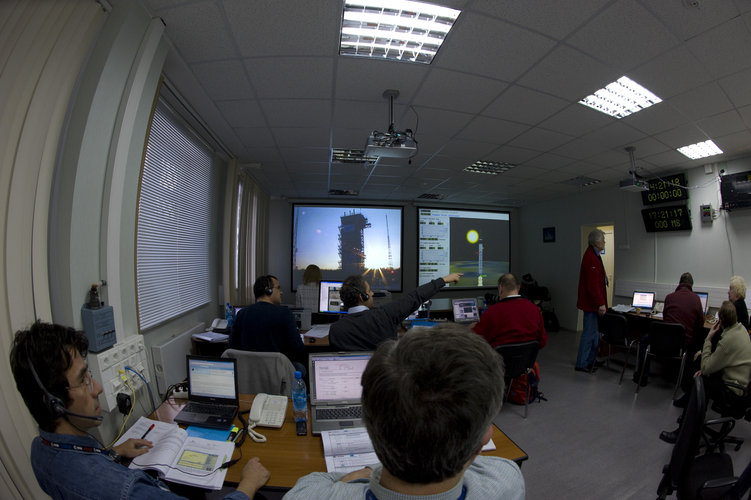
(267, 326)
(363, 328)
(513, 319)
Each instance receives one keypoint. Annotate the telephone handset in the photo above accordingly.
(266, 411)
(219, 324)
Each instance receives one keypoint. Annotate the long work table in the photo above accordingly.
(289, 456)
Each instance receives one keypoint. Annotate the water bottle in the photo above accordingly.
(229, 315)
(300, 398)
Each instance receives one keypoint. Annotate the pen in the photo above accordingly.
(147, 432)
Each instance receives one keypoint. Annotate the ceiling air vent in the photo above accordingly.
(431, 196)
(342, 192)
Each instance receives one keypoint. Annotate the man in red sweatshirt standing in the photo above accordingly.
(592, 300)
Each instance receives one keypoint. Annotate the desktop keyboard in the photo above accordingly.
(339, 413)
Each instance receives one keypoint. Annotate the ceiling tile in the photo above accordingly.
(242, 113)
(300, 137)
(297, 112)
(223, 80)
(702, 102)
(291, 77)
(469, 48)
(458, 91)
(490, 130)
(624, 35)
(722, 124)
(524, 105)
(737, 87)
(199, 32)
(568, 74)
(724, 49)
(688, 21)
(540, 139)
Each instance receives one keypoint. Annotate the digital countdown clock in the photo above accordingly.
(672, 218)
(665, 189)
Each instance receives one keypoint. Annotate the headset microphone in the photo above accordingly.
(54, 404)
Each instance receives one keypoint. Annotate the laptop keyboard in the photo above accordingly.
(339, 413)
(210, 409)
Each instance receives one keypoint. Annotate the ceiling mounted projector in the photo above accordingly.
(394, 143)
(636, 182)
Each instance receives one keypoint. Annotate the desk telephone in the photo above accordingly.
(266, 411)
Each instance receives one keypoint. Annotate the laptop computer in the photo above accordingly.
(704, 299)
(644, 301)
(335, 390)
(212, 393)
(465, 310)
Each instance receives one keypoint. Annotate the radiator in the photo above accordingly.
(169, 358)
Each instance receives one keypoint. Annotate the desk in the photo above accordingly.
(289, 456)
(315, 342)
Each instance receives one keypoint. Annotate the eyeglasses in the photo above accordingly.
(88, 382)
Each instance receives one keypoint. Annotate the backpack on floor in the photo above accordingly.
(518, 389)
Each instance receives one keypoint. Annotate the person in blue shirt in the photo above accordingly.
(51, 373)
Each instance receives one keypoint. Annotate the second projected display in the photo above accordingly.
(463, 241)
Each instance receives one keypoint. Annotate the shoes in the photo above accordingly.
(644, 381)
(599, 364)
(669, 436)
(681, 402)
(588, 369)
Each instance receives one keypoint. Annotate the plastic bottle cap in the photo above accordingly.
(298, 374)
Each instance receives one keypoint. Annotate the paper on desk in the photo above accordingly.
(211, 336)
(318, 331)
(623, 308)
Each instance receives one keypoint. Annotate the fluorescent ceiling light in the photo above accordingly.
(489, 167)
(700, 150)
(401, 30)
(621, 98)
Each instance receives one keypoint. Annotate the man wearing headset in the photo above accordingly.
(49, 366)
(267, 326)
(363, 328)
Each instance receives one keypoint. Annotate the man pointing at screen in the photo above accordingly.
(363, 328)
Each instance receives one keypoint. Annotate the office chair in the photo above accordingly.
(614, 332)
(518, 359)
(690, 475)
(269, 372)
(666, 340)
(736, 407)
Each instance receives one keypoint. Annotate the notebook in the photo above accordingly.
(335, 390)
(704, 299)
(644, 301)
(465, 310)
(212, 393)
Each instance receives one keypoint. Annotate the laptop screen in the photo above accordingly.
(328, 299)
(335, 378)
(212, 378)
(643, 300)
(465, 309)
(704, 299)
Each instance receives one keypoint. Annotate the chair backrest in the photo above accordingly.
(269, 372)
(517, 358)
(687, 445)
(666, 339)
(614, 328)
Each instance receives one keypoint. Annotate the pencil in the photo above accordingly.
(147, 432)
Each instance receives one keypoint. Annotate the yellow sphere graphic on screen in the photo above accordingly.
(472, 236)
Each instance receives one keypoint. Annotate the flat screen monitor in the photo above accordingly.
(328, 299)
(643, 300)
(465, 310)
(346, 240)
(471, 242)
(704, 299)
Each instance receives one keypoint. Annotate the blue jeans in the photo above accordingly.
(589, 341)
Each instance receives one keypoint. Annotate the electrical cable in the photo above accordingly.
(151, 396)
(133, 403)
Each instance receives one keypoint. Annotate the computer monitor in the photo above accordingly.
(422, 312)
(465, 310)
(643, 300)
(328, 299)
(704, 299)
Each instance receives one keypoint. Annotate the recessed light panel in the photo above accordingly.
(581, 181)
(400, 30)
(700, 150)
(489, 167)
(621, 98)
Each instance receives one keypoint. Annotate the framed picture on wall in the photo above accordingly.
(548, 234)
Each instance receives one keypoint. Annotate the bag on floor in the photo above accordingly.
(518, 389)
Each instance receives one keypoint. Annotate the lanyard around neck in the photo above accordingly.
(86, 449)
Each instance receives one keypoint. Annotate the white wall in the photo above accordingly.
(712, 252)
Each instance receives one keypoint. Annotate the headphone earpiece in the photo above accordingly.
(268, 290)
(364, 296)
